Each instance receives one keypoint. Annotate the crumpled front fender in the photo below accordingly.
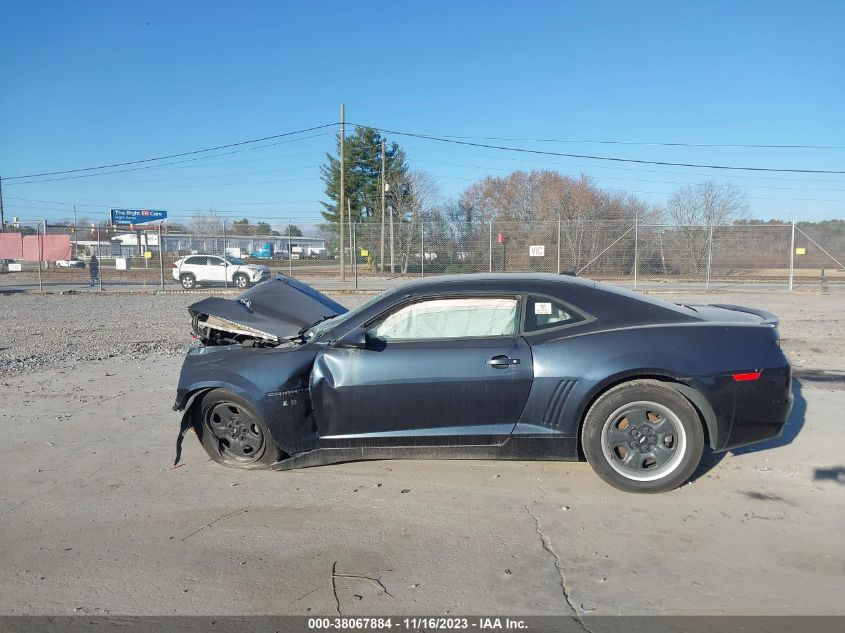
(273, 380)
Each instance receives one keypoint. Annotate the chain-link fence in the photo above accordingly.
(640, 254)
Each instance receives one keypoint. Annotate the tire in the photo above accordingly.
(241, 280)
(643, 436)
(188, 281)
(233, 433)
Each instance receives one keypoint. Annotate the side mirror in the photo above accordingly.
(355, 338)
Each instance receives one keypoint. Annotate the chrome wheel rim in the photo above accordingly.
(643, 441)
(187, 282)
(241, 281)
(238, 434)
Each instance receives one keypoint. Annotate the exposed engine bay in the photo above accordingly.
(270, 314)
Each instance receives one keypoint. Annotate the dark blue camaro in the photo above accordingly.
(508, 366)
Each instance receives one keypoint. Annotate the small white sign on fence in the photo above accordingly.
(538, 250)
(15, 268)
(120, 263)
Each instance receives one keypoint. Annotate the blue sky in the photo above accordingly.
(91, 83)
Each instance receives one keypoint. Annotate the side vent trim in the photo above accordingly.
(554, 412)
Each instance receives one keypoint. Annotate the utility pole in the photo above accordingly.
(558, 243)
(392, 265)
(637, 248)
(341, 200)
(225, 252)
(99, 260)
(160, 256)
(350, 224)
(383, 192)
(2, 215)
(422, 247)
(792, 256)
(75, 239)
(40, 254)
(290, 253)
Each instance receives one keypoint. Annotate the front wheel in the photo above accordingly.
(241, 280)
(643, 436)
(233, 433)
(188, 281)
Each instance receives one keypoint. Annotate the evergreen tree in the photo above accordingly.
(362, 176)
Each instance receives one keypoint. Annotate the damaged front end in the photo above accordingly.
(266, 315)
(252, 346)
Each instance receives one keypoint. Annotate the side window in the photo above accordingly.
(196, 261)
(543, 313)
(468, 317)
(214, 261)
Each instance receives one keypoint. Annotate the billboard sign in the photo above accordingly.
(136, 216)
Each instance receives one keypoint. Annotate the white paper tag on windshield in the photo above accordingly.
(543, 308)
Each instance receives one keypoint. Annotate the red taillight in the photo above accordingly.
(173, 266)
(751, 375)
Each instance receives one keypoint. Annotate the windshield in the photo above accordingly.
(320, 327)
(235, 261)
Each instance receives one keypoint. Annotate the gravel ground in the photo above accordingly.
(70, 331)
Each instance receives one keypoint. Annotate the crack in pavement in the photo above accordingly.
(210, 523)
(375, 582)
(334, 589)
(547, 545)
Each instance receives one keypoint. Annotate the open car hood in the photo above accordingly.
(269, 313)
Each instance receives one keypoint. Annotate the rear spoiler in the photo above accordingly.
(768, 317)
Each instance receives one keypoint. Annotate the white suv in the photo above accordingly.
(199, 269)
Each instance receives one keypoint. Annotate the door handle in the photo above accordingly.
(502, 362)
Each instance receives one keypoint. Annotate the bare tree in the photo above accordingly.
(528, 205)
(707, 203)
(692, 211)
(409, 197)
(206, 223)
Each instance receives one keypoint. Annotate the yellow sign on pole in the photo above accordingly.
(365, 252)
(148, 254)
(800, 250)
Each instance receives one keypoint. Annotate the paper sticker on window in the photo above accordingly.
(543, 308)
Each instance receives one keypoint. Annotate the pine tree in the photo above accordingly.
(362, 177)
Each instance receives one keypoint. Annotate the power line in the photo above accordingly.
(614, 167)
(89, 203)
(177, 162)
(207, 176)
(628, 179)
(593, 157)
(197, 151)
(194, 186)
(644, 143)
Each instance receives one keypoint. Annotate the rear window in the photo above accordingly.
(544, 313)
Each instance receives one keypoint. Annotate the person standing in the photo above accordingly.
(94, 269)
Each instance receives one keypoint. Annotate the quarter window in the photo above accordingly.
(543, 313)
(468, 317)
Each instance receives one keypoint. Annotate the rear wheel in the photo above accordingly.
(188, 281)
(233, 433)
(643, 436)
